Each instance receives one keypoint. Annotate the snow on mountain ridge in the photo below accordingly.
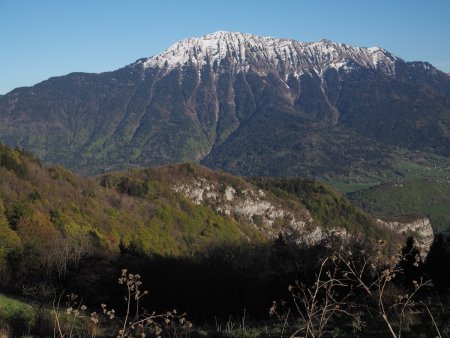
(247, 51)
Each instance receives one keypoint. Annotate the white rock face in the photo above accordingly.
(197, 191)
(318, 234)
(246, 51)
(255, 208)
(229, 193)
(249, 206)
(420, 229)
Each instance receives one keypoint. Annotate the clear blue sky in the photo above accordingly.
(44, 38)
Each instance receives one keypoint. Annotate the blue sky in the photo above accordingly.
(44, 38)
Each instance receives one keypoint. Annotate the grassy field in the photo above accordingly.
(15, 315)
(443, 209)
(10, 306)
(431, 169)
(349, 185)
(419, 184)
(405, 170)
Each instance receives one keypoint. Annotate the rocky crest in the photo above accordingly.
(246, 52)
(249, 206)
(254, 207)
(257, 208)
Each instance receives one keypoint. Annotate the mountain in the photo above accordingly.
(242, 103)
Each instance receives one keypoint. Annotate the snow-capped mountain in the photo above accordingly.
(243, 103)
(249, 52)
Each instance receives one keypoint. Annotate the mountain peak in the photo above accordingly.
(247, 51)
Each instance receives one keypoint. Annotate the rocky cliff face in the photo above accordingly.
(252, 206)
(248, 206)
(420, 229)
(270, 215)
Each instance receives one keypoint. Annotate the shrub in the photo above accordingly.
(16, 213)
(11, 160)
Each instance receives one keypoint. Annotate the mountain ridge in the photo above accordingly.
(253, 121)
(245, 49)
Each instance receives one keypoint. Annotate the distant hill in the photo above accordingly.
(246, 104)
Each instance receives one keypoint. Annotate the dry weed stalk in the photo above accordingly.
(318, 304)
(146, 323)
(336, 292)
(74, 313)
(173, 324)
(374, 276)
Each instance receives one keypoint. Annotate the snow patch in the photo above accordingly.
(246, 52)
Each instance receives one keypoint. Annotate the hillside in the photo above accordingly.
(48, 206)
(201, 239)
(53, 217)
(249, 105)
